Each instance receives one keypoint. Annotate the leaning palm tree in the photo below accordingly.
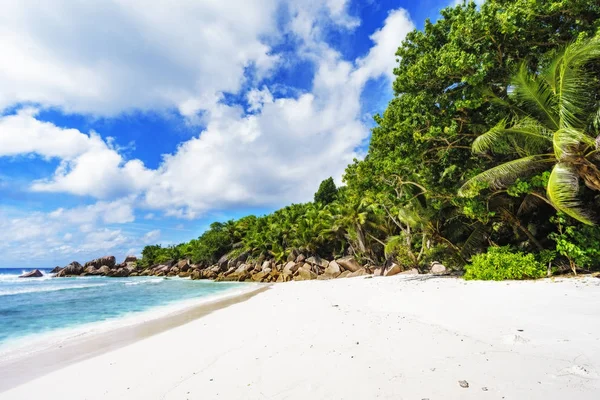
(557, 116)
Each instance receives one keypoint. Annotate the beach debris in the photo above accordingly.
(463, 384)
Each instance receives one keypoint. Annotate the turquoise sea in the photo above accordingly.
(36, 306)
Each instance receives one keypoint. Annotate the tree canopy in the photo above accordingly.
(493, 126)
(327, 192)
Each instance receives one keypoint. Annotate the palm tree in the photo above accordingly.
(353, 219)
(559, 110)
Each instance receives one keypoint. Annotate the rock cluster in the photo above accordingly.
(36, 273)
(239, 269)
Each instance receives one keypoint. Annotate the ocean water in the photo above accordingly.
(43, 306)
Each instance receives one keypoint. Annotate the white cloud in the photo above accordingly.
(151, 237)
(108, 57)
(22, 133)
(276, 155)
(39, 239)
(258, 98)
(115, 212)
(381, 58)
(280, 154)
(89, 165)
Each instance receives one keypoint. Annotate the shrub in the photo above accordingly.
(580, 244)
(500, 263)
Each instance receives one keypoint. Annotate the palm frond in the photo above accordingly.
(507, 173)
(537, 93)
(574, 98)
(567, 141)
(552, 73)
(563, 191)
(596, 120)
(475, 241)
(527, 135)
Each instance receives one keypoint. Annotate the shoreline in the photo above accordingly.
(16, 368)
(412, 337)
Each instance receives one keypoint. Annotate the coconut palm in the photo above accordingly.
(557, 116)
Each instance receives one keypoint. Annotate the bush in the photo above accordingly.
(500, 263)
(580, 244)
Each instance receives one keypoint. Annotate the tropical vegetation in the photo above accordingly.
(491, 141)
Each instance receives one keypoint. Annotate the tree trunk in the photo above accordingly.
(361, 239)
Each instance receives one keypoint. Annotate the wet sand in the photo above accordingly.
(22, 369)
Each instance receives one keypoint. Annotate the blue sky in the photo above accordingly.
(127, 124)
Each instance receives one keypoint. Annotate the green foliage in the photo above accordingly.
(327, 192)
(580, 245)
(499, 263)
(504, 97)
(556, 109)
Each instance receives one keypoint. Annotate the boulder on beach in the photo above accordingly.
(305, 275)
(393, 269)
(260, 276)
(412, 271)
(183, 265)
(56, 270)
(332, 271)
(72, 269)
(110, 261)
(265, 265)
(162, 269)
(438, 268)
(348, 264)
(344, 274)
(36, 273)
(360, 272)
(90, 270)
(103, 270)
(195, 275)
(130, 259)
(317, 261)
(290, 268)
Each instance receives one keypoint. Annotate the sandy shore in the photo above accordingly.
(381, 338)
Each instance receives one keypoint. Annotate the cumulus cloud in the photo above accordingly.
(276, 154)
(281, 153)
(115, 212)
(89, 165)
(44, 239)
(108, 57)
(22, 133)
(380, 60)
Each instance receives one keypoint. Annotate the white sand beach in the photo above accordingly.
(402, 337)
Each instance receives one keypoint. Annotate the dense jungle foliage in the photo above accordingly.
(492, 140)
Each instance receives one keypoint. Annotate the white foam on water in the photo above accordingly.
(54, 288)
(33, 343)
(152, 281)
